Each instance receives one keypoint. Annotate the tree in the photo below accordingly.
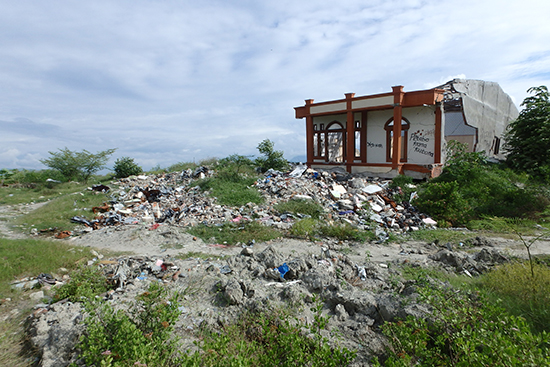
(125, 167)
(528, 137)
(272, 158)
(77, 165)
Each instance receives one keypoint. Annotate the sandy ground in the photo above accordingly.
(169, 240)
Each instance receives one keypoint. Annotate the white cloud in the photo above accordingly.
(173, 81)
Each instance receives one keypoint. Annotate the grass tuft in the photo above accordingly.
(233, 233)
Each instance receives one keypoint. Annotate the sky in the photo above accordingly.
(168, 81)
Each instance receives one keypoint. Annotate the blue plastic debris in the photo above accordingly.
(346, 212)
(283, 269)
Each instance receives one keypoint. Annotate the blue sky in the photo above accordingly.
(179, 81)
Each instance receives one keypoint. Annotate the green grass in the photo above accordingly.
(313, 229)
(58, 212)
(21, 195)
(232, 233)
(345, 232)
(231, 189)
(29, 257)
(510, 285)
(520, 294)
(306, 207)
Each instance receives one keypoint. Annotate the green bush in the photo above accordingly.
(470, 188)
(125, 167)
(272, 159)
(443, 201)
(344, 232)
(305, 228)
(114, 338)
(85, 283)
(402, 186)
(272, 338)
(33, 178)
(463, 330)
(77, 165)
(238, 164)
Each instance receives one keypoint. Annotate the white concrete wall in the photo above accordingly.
(376, 135)
(421, 135)
(341, 118)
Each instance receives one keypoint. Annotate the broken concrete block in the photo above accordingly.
(372, 189)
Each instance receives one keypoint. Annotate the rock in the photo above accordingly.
(233, 292)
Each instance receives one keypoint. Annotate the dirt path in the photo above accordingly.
(9, 212)
(169, 240)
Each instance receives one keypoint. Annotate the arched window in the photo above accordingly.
(389, 139)
(330, 142)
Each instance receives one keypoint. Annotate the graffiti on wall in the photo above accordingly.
(421, 141)
(374, 145)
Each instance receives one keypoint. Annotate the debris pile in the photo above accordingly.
(172, 198)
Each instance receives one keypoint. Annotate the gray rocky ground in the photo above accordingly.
(359, 283)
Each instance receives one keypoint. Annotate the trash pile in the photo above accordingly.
(172, 199)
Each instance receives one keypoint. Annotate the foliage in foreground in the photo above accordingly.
(77, 165)
(144, 337)
(85, 283)
(261, 339)
(464, 330)
(141, 338)
(522, 293)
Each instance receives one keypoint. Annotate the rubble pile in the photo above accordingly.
(173, 199)
(357, 295)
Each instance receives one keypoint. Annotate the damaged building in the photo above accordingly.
(360, 133)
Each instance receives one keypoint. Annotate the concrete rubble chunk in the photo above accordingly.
(372, 189)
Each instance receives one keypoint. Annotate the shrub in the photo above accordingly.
(85, 283)
(262, 339)
(125, 167)
(443, 201)
(232, 233)
(114, 338)
(77, 165)
(272, 159)
(238, 164)
(344, 232)
(305, 228)
(470, 188)
(463, 329)
(402, 188)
